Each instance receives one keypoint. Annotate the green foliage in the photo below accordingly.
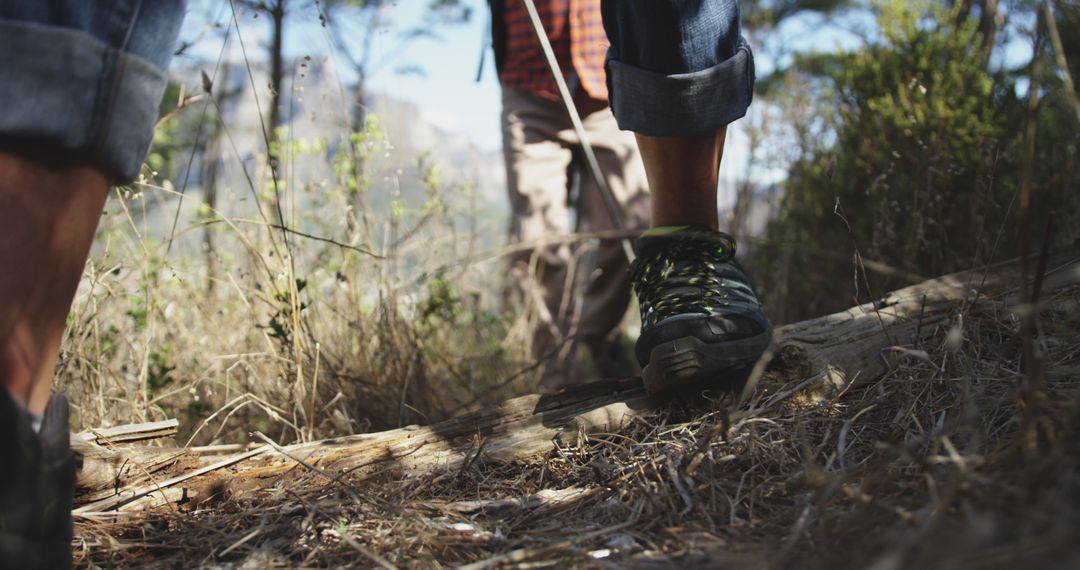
(280, 326)
(923, 166)
(169, 140)
(159, 373)
(282, 144)
(431, 180)
(442, 300)
(350, 157)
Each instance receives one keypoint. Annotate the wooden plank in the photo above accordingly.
(132, 432)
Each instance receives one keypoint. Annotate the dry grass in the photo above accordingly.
(348, 321)
(959, 459)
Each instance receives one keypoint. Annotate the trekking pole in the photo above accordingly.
(579, 128)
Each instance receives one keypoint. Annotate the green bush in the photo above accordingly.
(921, 168)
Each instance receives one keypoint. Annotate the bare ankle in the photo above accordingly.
(683, 173)
(16, 369)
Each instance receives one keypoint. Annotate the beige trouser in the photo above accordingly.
(539, 144)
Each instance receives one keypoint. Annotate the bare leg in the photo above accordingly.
(665, 55)
(683, 174)
(48, 215)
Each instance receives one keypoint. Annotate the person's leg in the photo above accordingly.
(536, 171)
(80, 85)
(678, 74)
(607, 293)
(48, 213)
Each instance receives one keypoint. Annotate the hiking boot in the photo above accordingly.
(701, 320)
(37, 484)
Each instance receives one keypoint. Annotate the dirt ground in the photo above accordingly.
(963, 455)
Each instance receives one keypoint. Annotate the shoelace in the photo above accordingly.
(681, 277)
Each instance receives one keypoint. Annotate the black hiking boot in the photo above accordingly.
(701, 321)
(37, 484)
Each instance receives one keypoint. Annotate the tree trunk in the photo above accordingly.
(277, 65)
(989, 15)
(357, 220)
(821, 356)
(988, 25)
(277, 77)
(212, 164)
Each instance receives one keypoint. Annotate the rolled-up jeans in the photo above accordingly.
(677, 68)
(86, 76)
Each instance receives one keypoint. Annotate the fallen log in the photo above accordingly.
(131, 433)
(825, 354)
(108, 464)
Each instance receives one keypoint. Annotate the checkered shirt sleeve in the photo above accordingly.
(576, 32)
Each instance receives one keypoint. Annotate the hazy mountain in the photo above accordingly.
(316, 107)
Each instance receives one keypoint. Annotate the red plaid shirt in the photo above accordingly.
(576, 31)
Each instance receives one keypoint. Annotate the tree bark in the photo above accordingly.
(822, 356)
(277, 69)
(277, 80)
(212, 165)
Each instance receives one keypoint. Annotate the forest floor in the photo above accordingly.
(960, 456)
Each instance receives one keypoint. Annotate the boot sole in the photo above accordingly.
(688, 361)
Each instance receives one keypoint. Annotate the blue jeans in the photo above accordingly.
(86, 76)
(677, 67)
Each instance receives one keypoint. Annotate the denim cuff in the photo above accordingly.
(682, 105)
(66, 87)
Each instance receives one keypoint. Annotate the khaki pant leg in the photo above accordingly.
(608, 293)
(536, 169)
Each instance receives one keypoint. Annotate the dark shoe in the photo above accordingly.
(701, 320)
(36, 487)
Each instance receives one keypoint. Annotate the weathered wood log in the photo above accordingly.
(828, 352)
(132, 432)
(160, 486)
(107, 465)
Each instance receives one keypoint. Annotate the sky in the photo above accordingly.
(446, 92)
